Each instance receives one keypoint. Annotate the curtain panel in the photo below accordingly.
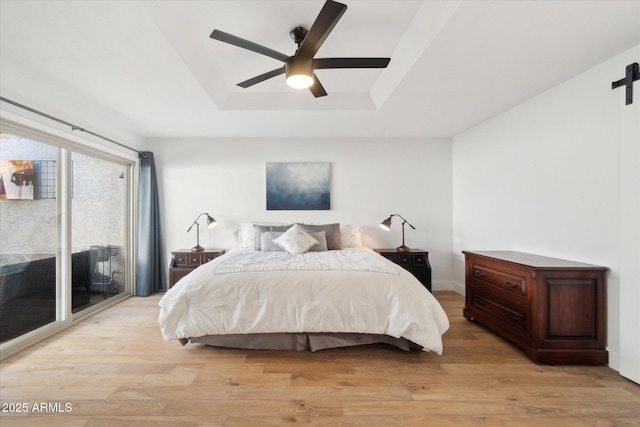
(151, 272)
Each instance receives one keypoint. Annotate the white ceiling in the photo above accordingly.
(149, 68)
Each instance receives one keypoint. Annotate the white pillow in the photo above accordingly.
(321, 237)
(295, 240)
(351, 236)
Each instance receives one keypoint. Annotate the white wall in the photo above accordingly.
(545, 178)
(370, 180)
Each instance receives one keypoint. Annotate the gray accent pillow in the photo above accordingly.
(321, 237)
(259, 229)
(266, 241)
(332, 232)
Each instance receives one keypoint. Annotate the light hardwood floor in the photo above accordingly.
(114, 369)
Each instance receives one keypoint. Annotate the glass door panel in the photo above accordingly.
(28, 235)
(98, 217)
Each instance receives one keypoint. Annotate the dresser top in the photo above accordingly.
(534, 261)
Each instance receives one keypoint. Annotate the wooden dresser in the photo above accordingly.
(184, 261)
(551, 308)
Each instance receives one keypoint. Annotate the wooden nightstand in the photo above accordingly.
(416, 262)
(184, 261)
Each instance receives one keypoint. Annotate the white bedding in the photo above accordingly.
(317, 292)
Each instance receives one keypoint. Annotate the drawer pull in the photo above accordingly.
(479, 273)
(511, 285)
(480, 303)
(512, 318)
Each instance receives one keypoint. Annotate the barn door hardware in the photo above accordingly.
(631, 76)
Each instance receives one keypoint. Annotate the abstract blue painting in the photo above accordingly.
(299, 186)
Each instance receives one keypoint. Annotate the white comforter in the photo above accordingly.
(247, 292)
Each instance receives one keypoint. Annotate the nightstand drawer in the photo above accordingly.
(418, 259)
(403, 259)
(210, 256)
(195, 260)
(180, 260)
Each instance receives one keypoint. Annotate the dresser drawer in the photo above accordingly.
(501, 278)
(512, 318)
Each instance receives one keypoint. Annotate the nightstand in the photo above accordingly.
(416, 262)
(184, 261)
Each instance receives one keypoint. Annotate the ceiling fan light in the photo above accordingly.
(299, 73)
(299, 81)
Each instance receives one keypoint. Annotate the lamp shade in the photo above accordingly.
(211, 222)
(386, 224)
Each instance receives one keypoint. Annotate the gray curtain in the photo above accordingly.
(151, 272)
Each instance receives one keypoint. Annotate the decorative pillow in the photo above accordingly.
(295, 240)
(321, 237)
(332, 232)
(246, 235)
(266, 241)
(259, 229)
(351, 236)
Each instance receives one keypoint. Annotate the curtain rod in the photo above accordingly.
(72, 126)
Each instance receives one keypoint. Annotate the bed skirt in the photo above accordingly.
(299, 341)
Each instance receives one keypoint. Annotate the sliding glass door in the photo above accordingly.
(65, 232)
(28, 235)
(98, 215)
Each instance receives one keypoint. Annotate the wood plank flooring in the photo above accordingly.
(114, 369)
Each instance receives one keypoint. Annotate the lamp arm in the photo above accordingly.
(196, 221)
(405, 221)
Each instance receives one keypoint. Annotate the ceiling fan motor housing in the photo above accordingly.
(298, 34)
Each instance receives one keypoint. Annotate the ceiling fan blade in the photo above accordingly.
(321, 63)
(316, 88)
(262, 77)
(246, 44)
(327, 19)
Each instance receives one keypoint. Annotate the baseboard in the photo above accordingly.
(446, 285)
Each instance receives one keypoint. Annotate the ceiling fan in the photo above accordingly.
(300, 67)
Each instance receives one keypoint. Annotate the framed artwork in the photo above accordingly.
(299, 186)
(16, 179)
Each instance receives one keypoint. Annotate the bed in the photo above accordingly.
(262, 296)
